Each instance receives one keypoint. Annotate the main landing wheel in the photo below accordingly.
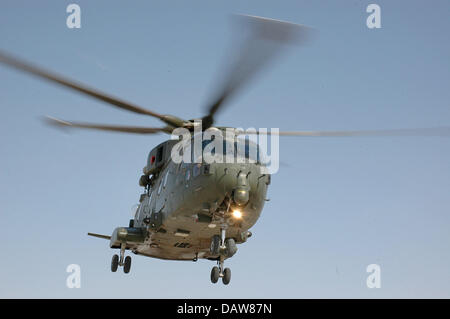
(226, 276)
(127, 265)
(114, 263)
(215, 245)
(224, 247)
(215, 274)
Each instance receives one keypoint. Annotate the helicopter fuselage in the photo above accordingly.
(186, 204)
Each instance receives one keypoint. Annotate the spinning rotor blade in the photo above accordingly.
(112, 128)
(432, 131)
(265, 41)
(52, 77)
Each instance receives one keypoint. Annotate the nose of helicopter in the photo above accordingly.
(233, 180)
(245, 185)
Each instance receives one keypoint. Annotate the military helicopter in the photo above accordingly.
(192, 210)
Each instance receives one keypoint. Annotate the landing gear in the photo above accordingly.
(215, 245)
(127, 265)
(114, 263)
(221, 272)
(225, 248)
(121, 261)
(215, 274)
(230, 247)
(226, 276)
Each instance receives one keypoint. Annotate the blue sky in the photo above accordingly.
(336, 206)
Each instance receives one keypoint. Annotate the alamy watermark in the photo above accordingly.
(374, 19)
(74, 18)
(74, 279)
(374, 279)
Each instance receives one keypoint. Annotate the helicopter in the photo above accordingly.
(196, 209)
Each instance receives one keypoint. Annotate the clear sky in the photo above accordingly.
(336, 205)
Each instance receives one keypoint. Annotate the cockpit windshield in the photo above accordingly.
(244, 150)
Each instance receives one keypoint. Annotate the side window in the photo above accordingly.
(160, 186)
(188, 174)
(181, 172)
(166, 177)
(147, 204)
(136, 211)
(196, 170)
(159, 154)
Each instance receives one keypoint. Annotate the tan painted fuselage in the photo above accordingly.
(188, 203)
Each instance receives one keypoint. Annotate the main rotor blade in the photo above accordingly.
(264, 43)
(52, 77)
(430, 131)
(113, 128)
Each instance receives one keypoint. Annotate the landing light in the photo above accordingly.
(237, 214)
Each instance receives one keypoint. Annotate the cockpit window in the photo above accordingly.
(196, 170)
(242, 149)
(247, 150)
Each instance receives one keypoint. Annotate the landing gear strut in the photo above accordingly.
(224, 248)
(121, 261)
